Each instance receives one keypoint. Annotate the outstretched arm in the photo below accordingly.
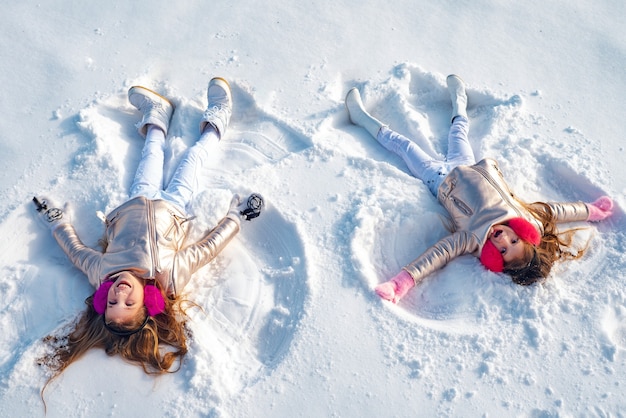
(440, 254)
(195, 256)
(600, 209)
(433, 259)
(192, 258)
(595, 211)
(569, 211)
(58, 221)
(79, 254)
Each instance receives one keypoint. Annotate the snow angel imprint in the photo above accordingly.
(136, 311)
(486, 219)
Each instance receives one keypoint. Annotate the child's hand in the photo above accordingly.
(600, 209)
(248, 208)
(49, 214)
(396, 288)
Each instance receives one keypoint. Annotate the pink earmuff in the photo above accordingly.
(152, 299)
(100, 297)
(525, 230)
(491, 258)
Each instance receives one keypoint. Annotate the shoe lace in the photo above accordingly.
(216, 109)
(147, 104)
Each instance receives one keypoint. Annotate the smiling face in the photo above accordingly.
(124, 299)
(507, 242)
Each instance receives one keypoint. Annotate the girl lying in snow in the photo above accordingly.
(487, 219)
(146, 261)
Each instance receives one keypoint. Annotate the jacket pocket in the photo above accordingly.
(112, 218)
(460, 205)
(176, 226)
(447, 187)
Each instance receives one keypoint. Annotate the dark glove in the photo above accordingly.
(49, 214)
(248, 208)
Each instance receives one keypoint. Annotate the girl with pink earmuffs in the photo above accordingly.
(486, 219)
(146, 260)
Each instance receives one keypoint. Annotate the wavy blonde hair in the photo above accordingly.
(142, 348)
(554, 246)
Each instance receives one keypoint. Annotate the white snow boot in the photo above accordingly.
(456, 87)
(220, 106)
(157, 110)
(359, 116)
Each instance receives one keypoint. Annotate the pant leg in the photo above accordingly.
(148, 179)
(184, 183)
(459, 150)
(420, 164)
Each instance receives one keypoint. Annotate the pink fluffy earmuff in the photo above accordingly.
(492, 259)
(525, 230)
(100, 297)
(152, 299)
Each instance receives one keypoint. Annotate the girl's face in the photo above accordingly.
(124, 299)
(507, 242)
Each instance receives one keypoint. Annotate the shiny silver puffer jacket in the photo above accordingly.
(147, 237)
(476, 198)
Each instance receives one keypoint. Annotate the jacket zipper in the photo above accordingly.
(505, 196)
(152, 237)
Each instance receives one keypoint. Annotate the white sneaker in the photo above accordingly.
(157, 110)
(456, 87)
(359, 116)
(220, 106)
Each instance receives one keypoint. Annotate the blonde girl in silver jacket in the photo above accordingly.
(487, 219)
(146, 260)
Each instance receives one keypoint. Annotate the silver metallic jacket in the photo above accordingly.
(476, 198)
(147, 237)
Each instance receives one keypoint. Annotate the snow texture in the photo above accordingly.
(289, 324)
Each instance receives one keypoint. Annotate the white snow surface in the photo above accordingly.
(290, 325)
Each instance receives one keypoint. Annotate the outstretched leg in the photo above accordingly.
(459, 150)
(359, 116)
(184, 182)
(157, 112)
(148, 179)
(415, 158)
(420, 164)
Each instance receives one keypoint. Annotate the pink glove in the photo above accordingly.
(601, 209)
(396, 288)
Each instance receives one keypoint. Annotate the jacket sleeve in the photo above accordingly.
(569, 212)
(79, 254)
(440, 254)
(197, 255)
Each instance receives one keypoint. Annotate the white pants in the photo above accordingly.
(148, 181)
(426, 168)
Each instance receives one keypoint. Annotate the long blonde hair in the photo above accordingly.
(142, 348)
(554, 246)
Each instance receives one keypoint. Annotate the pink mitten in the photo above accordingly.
(601, 209)
(396, 288)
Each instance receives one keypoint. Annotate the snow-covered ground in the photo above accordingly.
(291, 326)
